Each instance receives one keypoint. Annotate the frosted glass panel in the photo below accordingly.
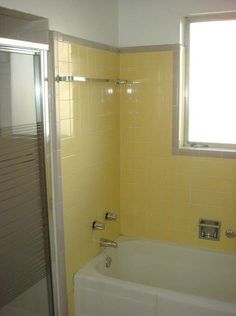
(212, 77)
(25, 286)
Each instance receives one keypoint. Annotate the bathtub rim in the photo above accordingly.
(89, 272)
(124, 239)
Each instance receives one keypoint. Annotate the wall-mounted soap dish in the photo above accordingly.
(209, 229)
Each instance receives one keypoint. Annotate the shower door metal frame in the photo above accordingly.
(43, 110)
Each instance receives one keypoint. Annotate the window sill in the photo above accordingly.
(205, 152)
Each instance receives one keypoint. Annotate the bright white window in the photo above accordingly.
(210, 107)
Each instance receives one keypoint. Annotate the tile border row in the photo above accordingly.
(123, 50)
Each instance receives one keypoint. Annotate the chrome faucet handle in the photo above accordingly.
(98, 225)
(230, 233)
(111, 216)
(103, 242)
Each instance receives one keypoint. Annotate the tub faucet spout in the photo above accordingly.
(107, 243)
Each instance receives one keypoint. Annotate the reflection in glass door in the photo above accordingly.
(25, 275)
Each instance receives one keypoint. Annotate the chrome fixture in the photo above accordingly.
(108, 261)
(98, 225)
(103, 242)
(230, 233)
(209, 229)
(111, 216)
(86, 79)
(119, 81)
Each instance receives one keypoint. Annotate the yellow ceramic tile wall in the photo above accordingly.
(89, 126)
(121, 158)
(163, 196)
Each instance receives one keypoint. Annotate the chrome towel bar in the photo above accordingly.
(86, 79)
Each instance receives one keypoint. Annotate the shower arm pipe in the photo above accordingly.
(86, 79)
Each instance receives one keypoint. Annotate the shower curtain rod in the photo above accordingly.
(86, 79)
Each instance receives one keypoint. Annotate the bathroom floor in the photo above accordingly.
(13, 311)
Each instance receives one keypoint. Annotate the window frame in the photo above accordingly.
(184, 69)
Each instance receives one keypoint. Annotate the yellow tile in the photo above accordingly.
(180, 189)
(161, 196)
(89, 123)
(83, 61)
(65, 112)
(64, 69)
(222, 199)
(73, 51)
(64, 90)
(63, 51)
(70, 299)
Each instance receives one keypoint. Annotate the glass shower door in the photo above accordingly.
(25, 275)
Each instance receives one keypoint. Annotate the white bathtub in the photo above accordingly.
(152, 278)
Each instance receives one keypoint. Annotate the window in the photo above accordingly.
(209, 106)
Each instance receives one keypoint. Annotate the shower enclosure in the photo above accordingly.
(25, 268)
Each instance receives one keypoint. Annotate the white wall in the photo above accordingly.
(95, 20)
(152, 22)
(141, 22)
